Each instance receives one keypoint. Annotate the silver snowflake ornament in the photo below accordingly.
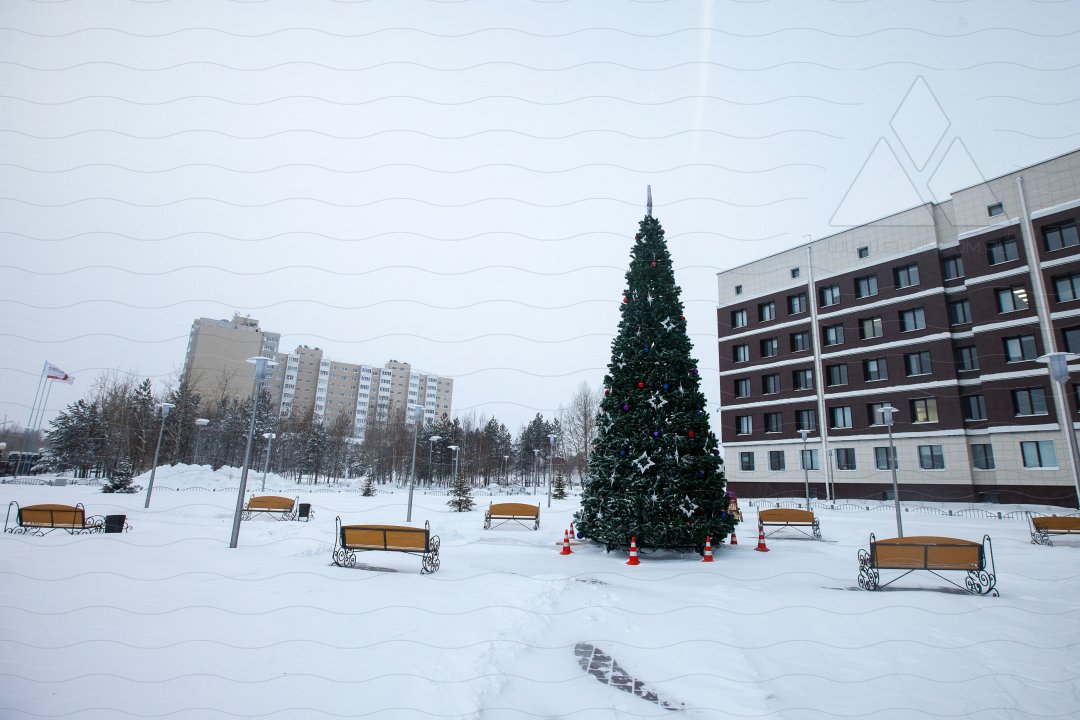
(668, 325)
(657, 401)
(688, 506)
(643, 462)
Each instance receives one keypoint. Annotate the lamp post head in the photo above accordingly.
(435, 438)
(202, 422)
(270, 436)
(804, 433)
(165, 408)
(887, 414)
(455, 448)
(261, 365)
(551, 437)
(1059, 365)
(536, 451)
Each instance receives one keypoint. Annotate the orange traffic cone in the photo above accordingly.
(761, 539)
(565, 543)
(573, 533)
(734, 540)
(707, 557)
(633, 553)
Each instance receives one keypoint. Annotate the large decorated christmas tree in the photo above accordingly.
(655, 472)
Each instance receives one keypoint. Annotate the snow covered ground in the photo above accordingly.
(167, 622)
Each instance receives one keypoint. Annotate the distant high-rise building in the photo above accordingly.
(216, 365)
(305, 381)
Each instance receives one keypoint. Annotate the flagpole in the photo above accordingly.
(44, 402)
(30, 425)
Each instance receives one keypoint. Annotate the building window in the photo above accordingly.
(744, 424)
(796, 304)
(840, 417)
(1029, 401)
(738, 318)
(870, 328)
(1060, 236)
(774, 422)
(830, 295)
(875, 369)
(873, 413)
(982, 456)
(836, 375)
(924, 410)
(974, 407)
(1072, 339)
(769, 347)
(746, 461)
(794, 272)
(952, 267)
(931, 457)
(1000, 251)
(770, 384)
(866, 286)
(1038, 454)
(738, 289)
(1067, 287)
(803, 379)
(913, 319)
(863, 252)
(1012, 298)
(806, 420)
(881, 459)
(800, 342)
(809, 459)
(742, 387)
(917, 363)
(833, 335)
(995, 209)
(845, 458)
(740, 353)
(1020, 347)
(776, 459)
(959, 312)
(966, 358)
(906, 275)
(766, 311)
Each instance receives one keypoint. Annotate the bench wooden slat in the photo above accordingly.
(512, 512)
(1045, 526)
(52, 516)
(270, 502)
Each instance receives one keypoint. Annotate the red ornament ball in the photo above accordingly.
(654, 263)
(682, 318)
(625, 299)
(607, 393)
(640, 385)
(638, 236)
(690, 434)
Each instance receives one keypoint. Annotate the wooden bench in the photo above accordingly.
(43, 519)
(1045, 526)
(284, 508)
(512, 512)
(789, 517)
(933, 554)
(394, 538)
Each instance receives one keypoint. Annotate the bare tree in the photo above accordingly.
(579, 425)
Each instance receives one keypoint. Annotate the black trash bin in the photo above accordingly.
(115, 523)
(305, 512)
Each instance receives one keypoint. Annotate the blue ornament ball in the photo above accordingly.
(622, 453)
(666, 386)
(646, 349)
(656, 433)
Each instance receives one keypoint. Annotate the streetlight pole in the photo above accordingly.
(431, 443)
(887, 417)
(536, 468)
(506, 470)
(412, 470)
(266, 464)
(200, 423)
(805, 466)
(165, 408)
(455, 449)
(551, 469)
(261, 365)
(1059, 373)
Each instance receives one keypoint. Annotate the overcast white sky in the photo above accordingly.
(456, 184)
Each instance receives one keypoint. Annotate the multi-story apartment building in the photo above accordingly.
(216, 365)
(305, 381)
(944, 312)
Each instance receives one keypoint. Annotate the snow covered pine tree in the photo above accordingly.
(655, 472)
